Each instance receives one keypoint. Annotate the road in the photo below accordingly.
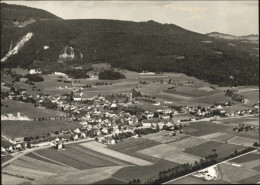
(171, 181)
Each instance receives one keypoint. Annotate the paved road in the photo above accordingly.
(171, 181)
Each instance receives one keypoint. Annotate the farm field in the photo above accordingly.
(102, 149)
(223, 138)
(195, 180)
(28, 110)
(35, 128)
(165, 137)
(87, 176)
(79, 158)
(5, 143)
(6, 158)
(9, 179)
(246, 158)
(143, 172)
(189, 142)
(208, 127)
(111, 181)
(235, 174)
(205, 149)
(131, 146)
(243, 141)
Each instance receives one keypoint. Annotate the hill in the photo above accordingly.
(252, 37)
(137, 46)
(21, 16)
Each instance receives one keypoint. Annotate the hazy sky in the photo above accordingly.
(231, 17)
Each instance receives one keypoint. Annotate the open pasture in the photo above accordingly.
(172, 97)
(101, 149)
(255, 179)
(193, 92)
(252, 96)
(165, 137)
(143, 172)
(243, 141)
(28, 110)
(211, 99)
(205, 149)
(87, 176)
(254, 122)
(35, 128)
(235, 174)
(188, 142)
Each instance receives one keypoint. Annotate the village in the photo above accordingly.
(111, 118)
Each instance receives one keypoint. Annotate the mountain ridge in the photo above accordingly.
(138, 46)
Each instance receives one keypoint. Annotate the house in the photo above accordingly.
(10, 149)
(77, 98)
(18, 140)
(76, 131)
(18, 146)
(41, 143)
(2, 149)
(112, 142)
(82, 134)
(74, 137)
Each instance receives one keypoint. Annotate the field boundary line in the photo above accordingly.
(54, 161)
(119, 179)
(231, 139)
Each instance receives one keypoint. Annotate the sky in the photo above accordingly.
(230, 16)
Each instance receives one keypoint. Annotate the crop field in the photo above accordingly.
(190, 179)
(28, 162)
(41, 158)
(143, 172)
(224, 137)
(210, 136)
(26, 172)
(9, 179)
(246, 158)
(87, 176)
(183, 158)
(35, 128)
(165, 137)
(210, 128)
(111, 181)
(100, 156)
(188, 142)
(235, 174)
(6, 158)
(161, 151)
(101, 148)
(28, 110)
(133, 145)
(80, 158)
(205, 149)
(243, 141)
